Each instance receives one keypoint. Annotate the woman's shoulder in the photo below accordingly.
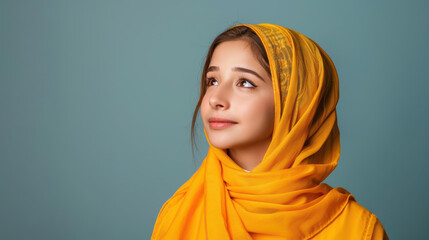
(354, 222)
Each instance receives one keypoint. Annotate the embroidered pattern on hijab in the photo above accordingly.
(284, 195)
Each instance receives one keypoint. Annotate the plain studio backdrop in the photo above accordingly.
(96, 101)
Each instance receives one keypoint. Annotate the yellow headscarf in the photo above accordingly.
(282, 197)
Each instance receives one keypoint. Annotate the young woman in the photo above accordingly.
(267, 103)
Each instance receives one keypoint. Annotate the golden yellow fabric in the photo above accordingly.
(283, 197)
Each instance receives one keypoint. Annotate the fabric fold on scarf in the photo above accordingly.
(283, 197)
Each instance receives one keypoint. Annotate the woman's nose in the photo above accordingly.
(219, 98)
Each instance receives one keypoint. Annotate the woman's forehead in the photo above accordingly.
(234, 54)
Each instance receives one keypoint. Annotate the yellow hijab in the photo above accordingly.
(283, 197)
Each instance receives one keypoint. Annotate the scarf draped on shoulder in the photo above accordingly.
(283, 197)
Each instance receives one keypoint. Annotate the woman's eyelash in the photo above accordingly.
(245, 80)
(210, 80)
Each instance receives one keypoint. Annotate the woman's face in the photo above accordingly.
(238, 107)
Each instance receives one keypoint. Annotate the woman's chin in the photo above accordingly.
(221, 146)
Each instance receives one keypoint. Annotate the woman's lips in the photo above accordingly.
(220, 123)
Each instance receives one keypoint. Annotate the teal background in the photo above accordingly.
(96, 100)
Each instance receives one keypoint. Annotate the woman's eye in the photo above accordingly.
(246, 84)
(211, 81)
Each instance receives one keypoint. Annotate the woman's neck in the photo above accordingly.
(249, 156)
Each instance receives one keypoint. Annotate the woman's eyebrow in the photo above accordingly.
(236, 69)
